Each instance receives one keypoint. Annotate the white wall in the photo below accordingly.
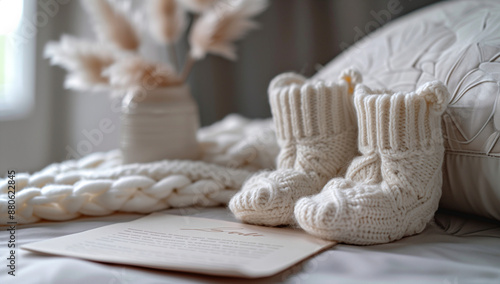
(85, 110)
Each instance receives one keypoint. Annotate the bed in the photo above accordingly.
(456, 248)
(456, 42)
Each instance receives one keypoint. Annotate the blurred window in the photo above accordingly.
(16, 61)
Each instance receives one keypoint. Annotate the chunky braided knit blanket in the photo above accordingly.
(99, 184)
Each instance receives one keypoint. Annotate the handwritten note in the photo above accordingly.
(228, 230)
(189, 244)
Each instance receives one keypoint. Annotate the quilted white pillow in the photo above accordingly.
(457, 42)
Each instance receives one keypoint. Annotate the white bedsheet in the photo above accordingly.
(452, 250)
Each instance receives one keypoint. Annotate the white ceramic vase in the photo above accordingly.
(159, 124)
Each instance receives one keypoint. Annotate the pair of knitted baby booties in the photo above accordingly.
(356, 165)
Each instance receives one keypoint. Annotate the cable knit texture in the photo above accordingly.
(99, 184)
(393, 189)
(316, 130)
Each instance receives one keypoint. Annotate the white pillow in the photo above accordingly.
(457, 42)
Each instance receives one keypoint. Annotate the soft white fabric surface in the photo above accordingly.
(454, 250)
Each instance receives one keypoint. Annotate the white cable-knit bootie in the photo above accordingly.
(317, 132)
(393, 189)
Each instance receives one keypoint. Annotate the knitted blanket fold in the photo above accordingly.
(99, 184)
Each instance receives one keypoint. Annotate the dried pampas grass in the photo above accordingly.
(134, 71)
(114, 63)
(199, 6)
(84, 60)
(111, 25)
(167, 20)
(250, 8)
(217, 29)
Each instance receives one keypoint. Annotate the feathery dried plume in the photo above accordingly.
(250, 8)
(110, 64)
(217, 29)
(84, 60)
(136, 72)
(111, 25)
(167, 20)
(135, 12)
(199, 6)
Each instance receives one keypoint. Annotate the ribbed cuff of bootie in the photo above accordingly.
(305, 109)
(400, 121)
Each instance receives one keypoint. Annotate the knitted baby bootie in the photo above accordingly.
(316, 129)
(393, 189)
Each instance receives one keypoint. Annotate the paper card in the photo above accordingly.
(189, 244)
